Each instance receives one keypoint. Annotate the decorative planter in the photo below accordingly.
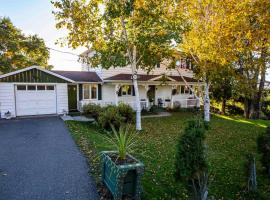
(123, 180)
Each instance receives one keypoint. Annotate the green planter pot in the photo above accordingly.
(122, 180)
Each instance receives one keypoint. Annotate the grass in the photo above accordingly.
(228, 141)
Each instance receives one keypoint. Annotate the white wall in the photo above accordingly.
(7, 99)
(62, 97)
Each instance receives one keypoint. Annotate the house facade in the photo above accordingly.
(36, 91)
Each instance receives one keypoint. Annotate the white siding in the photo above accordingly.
(62, 98)
(7, 99)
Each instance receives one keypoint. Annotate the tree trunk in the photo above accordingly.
(246, 108)
(206, 103)
(258, 100)
(223, 107)
(136, 88)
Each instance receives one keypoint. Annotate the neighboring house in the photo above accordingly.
(36, 91)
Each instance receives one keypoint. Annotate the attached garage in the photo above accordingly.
(33, 91)
(35, 99)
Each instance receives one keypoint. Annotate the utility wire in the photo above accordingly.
(66, 52)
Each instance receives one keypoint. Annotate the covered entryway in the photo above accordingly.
(34, 99)
(72, 97)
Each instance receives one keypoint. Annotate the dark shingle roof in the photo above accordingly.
(145, 77)
(80, 76)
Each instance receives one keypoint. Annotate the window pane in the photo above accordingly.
(186, 90)
(129, 89)
(21, 87)
(31, 87)
(41, 87)
(126, 90)
(94, 92)
(50, 87)
(86, 94)
(182, 89)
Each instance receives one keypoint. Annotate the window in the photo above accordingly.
(21, 87)
(186, 90)
(182, 89)
(41, 87)
(93, 92)
(158, 65)
(126, 90)
(190, 91)
(31, 87)
(90, 91)
(50, 87)
(86, 92)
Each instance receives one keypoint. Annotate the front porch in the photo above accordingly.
(165, 96)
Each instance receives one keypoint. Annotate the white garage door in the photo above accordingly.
(35, 99)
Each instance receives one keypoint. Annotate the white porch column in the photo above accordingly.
(116, 90)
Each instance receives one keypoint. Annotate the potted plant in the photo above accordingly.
(121, 172)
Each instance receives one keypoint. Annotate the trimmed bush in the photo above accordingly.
(263, 143)
(127, 112)
(93, 110)
(191, 164)
(110, 116)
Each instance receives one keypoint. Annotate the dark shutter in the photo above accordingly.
(80, 92)
(99, 92)
(120, 92)
(158, 65)
(133, 91)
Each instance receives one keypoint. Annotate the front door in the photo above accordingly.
(151, 94)
(72, 97)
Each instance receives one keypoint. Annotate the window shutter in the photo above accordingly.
(158, 65)
(99, 92)
(133, 91)
(80, 92)
(120, 92)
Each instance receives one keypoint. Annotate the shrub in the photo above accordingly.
(263, 143)
(93, 110)
(235, 110)
(266, 108)
(110, 116)
(126, 112)
(191, 164)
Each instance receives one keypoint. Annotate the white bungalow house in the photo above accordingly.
(36, 91)
(162, 86)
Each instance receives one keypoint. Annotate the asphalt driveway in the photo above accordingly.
(39, 160)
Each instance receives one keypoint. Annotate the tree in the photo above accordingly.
(135, 33)
(228, 33)
(191, 163)
(222, 86)
(18, 51)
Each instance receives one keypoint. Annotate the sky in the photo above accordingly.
(35, 17)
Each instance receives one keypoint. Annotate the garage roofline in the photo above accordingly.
(38, 68)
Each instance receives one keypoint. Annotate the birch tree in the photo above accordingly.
(221, 34)
(135, 33)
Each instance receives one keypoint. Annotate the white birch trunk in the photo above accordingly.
(136, 88)
(206, 103)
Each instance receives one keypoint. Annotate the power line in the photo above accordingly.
(66, 52)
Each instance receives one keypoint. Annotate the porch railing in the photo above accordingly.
(182, 103)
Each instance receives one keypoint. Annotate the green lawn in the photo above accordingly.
(228, 141)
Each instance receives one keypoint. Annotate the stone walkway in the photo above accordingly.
(161, 114)
(77, 118)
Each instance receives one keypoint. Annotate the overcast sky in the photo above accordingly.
(35, 17)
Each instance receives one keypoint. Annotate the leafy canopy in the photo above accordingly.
(18, 50)
(114, 28)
